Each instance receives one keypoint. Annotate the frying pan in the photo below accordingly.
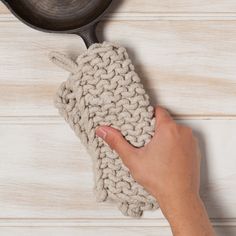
(61, 16)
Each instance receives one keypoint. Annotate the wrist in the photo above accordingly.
(187, 215)
(170, 202)
(181, 205)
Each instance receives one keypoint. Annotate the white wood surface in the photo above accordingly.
(48, 173)
(165, 6)
(185, 52)
(177, 6)
(87, 231)
(187, 66)
(105, 231)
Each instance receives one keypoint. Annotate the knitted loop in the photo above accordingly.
(105, 90)
(63, 61)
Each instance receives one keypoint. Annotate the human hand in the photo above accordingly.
(168, 167)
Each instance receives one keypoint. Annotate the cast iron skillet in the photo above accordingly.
(61, 16)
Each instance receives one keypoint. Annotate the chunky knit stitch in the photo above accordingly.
(103, 89)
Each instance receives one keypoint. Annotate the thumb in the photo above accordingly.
(162, 116)
(119, 144)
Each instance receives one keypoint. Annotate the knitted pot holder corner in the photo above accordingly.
(103, 89)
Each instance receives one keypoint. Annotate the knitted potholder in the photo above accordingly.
(103, 89)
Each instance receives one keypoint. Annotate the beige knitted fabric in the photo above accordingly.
(103, 89)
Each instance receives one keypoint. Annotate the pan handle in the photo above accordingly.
(89, 35)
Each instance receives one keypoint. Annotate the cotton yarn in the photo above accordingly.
(104, 89)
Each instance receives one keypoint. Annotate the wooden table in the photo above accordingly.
(185, 52)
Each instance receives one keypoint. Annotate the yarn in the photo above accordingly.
(103, 89)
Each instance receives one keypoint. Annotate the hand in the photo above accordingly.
(169, 168)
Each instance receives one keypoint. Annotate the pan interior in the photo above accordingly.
(59, 15)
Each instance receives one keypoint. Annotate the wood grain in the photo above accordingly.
(105, 231)
(48, 174)
(166, 6)
(87, 231)
(177, 6)
(186, 66)
(184, 52)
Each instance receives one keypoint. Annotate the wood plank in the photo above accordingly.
(166, 6)
(46, 173)
(105, 231)
(185, 66)
(99, 222)
(27, 76)
(176, 6)
(86, 231)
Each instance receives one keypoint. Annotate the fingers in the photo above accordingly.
(117, 142)
(162, 116)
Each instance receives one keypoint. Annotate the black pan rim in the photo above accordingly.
(71, 31)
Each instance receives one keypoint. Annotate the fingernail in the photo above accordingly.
(101, 132)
